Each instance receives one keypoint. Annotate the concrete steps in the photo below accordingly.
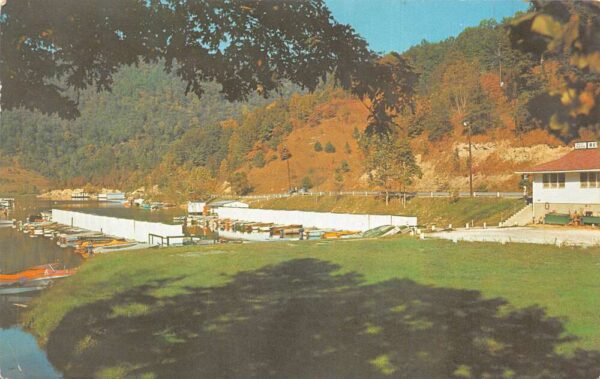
(521, 218)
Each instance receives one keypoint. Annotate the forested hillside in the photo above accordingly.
(146, 132)
(124, 133)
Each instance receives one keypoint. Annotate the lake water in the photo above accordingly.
(20, 356)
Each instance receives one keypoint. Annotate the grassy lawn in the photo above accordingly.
(363, 308)
(437, 211)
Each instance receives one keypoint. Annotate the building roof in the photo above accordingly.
(576, 161)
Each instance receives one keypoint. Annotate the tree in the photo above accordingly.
(53, 50)
(338, 180)
(196, 184)
(460, 82)
(388, 84)
(568, 31)
(329, 148)
(307, 183)
(344, 166)
(317, 146)
(259, 159)
(239, 183)
(391, 162)
(347, 149)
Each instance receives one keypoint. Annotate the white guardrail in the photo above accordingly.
(511, 195)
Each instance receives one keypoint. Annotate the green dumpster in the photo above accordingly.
(590, 220)
(557, 219)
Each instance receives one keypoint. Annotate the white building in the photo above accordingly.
(196, 207)
(228, 204)
(112, 196)
(201, 207)
(568, 185)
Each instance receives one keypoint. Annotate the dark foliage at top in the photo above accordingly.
(568, 31)
(53, 50)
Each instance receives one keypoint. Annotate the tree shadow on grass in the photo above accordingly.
(299, 320)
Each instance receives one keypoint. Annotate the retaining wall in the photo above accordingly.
(325, 220)
(118, 227)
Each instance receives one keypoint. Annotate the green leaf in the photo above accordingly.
(546, 25)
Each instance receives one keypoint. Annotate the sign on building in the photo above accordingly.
(586, 145)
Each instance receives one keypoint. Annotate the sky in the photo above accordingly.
(396, 25)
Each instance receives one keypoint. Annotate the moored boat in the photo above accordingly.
(6, 223)
(86, 247)
(35, 276)
(338, 234)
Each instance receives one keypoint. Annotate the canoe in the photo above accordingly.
(34, 276)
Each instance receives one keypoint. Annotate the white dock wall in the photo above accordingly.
(339, 221)
(118, 227)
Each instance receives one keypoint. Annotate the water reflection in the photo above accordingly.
(18, 251)
(20, 356)
(135, 213)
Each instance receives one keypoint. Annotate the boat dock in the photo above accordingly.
(7, 203)
(247, 224)
(135, 230)
(91, 234)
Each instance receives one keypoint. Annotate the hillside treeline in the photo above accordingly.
(145, 131)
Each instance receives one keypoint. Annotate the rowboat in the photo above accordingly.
(114, 248)
(35, 276)
(123, 247)
(338, 234)
(65, 240)
(84, 247)
(6, 223)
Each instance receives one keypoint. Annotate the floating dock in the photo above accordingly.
(322, 220)
(140, 231)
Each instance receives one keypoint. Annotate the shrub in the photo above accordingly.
(344, 166)
(307, 183)
(318, 146)
(347, 149)
(329, 148)
(259, 160)
(239, 183)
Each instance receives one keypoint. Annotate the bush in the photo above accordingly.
(259, 160)
(318, 147)
(347, 149)
(329, 148)
(344, 166)
(239, 184)
(307, 183)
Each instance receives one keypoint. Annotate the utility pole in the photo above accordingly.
(285, 156)
(468, 126)
(500, 63)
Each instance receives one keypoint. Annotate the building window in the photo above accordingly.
(589, 179)
(561, 180)
(554, 180)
